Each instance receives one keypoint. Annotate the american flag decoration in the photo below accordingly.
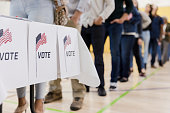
(40, 40)
(67, 41)
(5, 36)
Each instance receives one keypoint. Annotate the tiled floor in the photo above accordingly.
(149, 96)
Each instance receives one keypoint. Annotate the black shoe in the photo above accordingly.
(119, 78)
(142, 74)
(160, 63)
(124, 79)
(101, 91)
(87, 88)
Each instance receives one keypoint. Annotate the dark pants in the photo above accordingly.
(114, 31)
(95, 35)
(138, 55)
(153, 46)
(165, 57)
(126, 49)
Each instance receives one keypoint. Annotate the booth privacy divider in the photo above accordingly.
(33, 52)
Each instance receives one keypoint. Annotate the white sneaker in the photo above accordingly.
(113, 86)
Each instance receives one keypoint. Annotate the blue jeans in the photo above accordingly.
(159, 52)
(114, 31)
(146, 39)
(137, 52)
(95, 35)
(35, 10)
(153, 48)
(126, 50)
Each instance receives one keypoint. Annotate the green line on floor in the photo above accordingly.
(9, 101)
(51, 109)
(127, 92)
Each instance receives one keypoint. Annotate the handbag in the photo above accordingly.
(61, 13)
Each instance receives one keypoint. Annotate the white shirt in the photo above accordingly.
(103, 8)
(80, 5)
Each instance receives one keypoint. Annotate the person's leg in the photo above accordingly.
(78, 88)
(21, 93)
(55, 91)
(169, 51)
(137, 55)
(55, 86)
(98, 47)
(17, 9)
(115, 31)
(86, 35)
(40, 91)
(98, 33)
(126, 48)
(141, 57)
(165, 51)
(78, 94)
(154, 51)
(40, 11)
(159, 52)
(131, 62)
(146, 38)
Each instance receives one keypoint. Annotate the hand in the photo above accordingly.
(75, 20)
(159, 43)
(130, 16)
(98, 21)
(140, 41)
(119, 21)
(76, 17)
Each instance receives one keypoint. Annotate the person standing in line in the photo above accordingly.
(156, 34)
(137, 47)
(35, 10)
(93, 32)
(166, 40)
(114, 27)
(126, 43)
(75, 9)
(146, 26)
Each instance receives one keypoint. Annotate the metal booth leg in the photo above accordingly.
(32, 99)
(1, 108)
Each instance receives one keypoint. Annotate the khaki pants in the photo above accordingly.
(78, 88)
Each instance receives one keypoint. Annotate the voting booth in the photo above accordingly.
(13, 53)
(33, 52)
(68, 52)
(42, 52)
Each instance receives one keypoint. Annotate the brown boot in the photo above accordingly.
(77, 103)
(51, 97)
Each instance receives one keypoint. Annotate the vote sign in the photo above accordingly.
(42, 52)
(13, 52)
(68, 52)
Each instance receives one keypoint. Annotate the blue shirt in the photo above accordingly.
(156, 27)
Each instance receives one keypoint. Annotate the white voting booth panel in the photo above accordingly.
(88, 74)
(13, 53)
(42, 52)
(32, 52)
(68, 52)
(3, 93)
